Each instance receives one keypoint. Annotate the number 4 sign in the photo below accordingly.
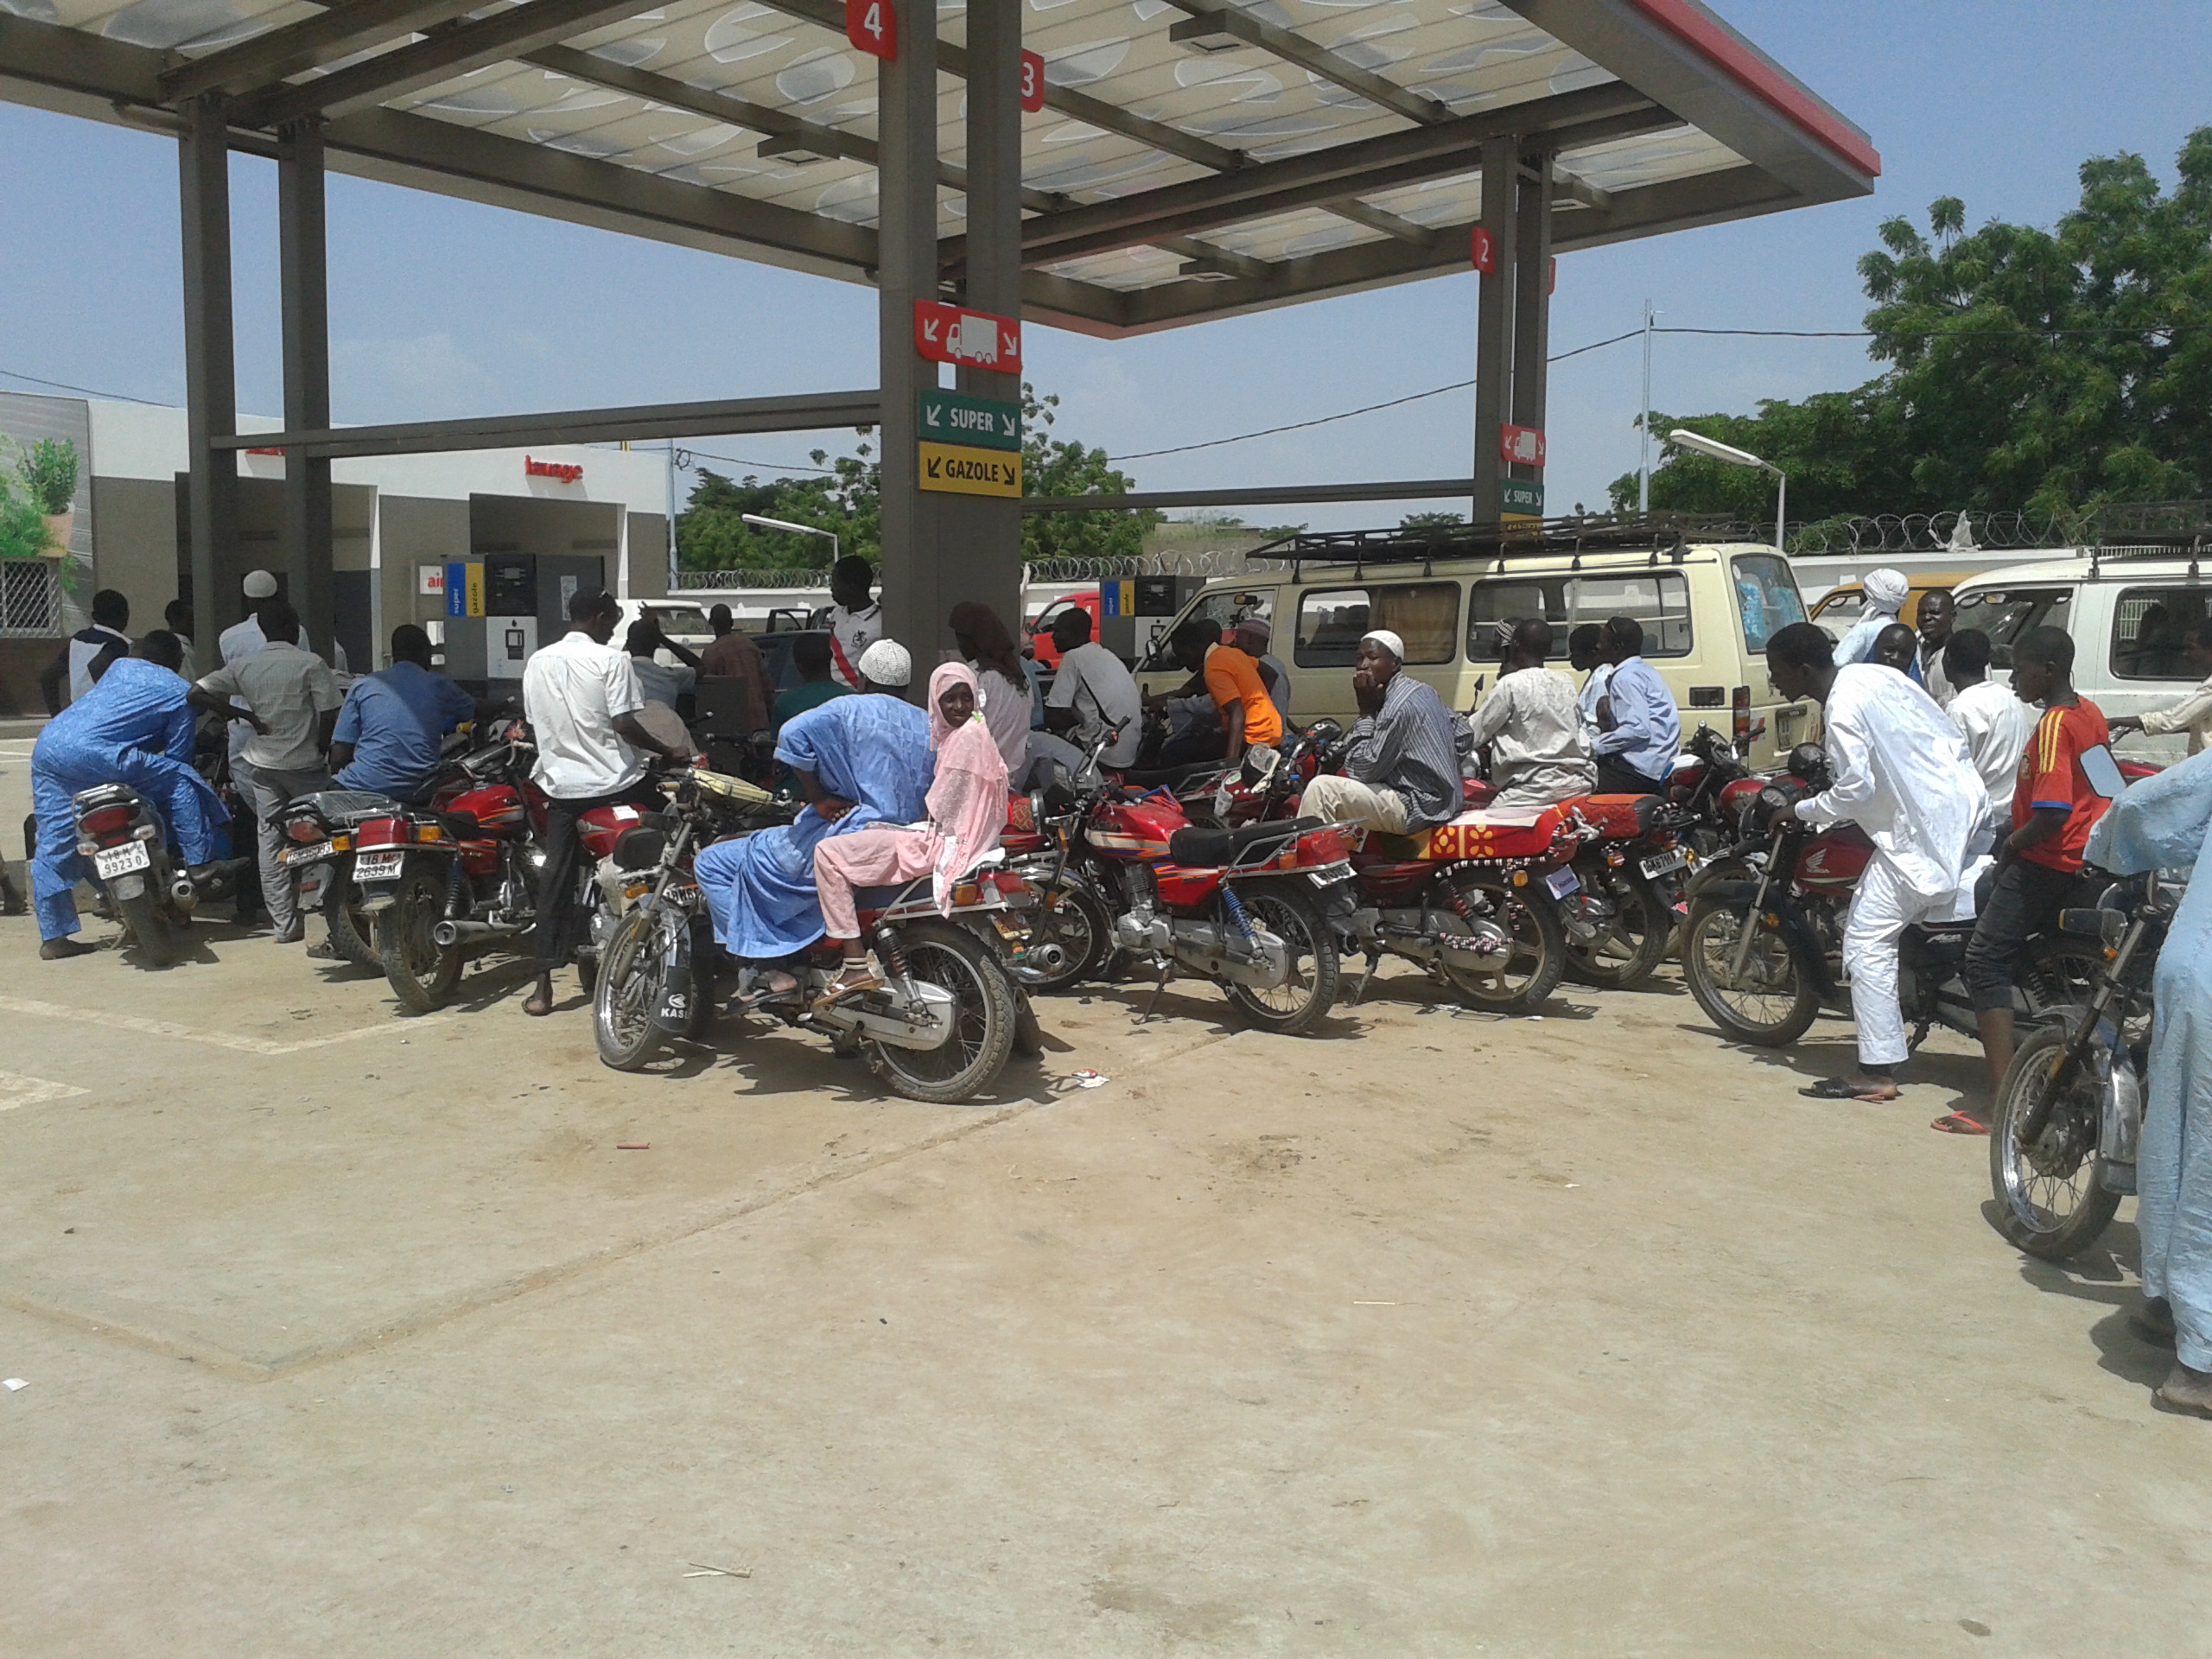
(871, 25)
(1032, 82)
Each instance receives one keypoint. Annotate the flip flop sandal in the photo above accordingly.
(1838, 1088)
(1959, 1124)
(840, 988)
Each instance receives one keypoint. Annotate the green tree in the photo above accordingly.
(2043, 370)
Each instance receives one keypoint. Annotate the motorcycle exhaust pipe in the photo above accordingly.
(182, 893)
(446, 935)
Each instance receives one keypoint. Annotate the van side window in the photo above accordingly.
(1767, 599)
(1331, 620)
(2005, 613)
(2149, 628)
(1658, 599)
(1224, 609)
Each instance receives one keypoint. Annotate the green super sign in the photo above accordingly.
(981, 423)
(1520, 495)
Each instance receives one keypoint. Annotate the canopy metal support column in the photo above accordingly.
(210, 367)
(303, 275)
(986, 530)
(914, 588)
(1494, 322)
(1532, 305)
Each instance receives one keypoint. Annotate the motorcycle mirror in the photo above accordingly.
(1262, 762)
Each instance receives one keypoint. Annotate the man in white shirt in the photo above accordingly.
(1532, 725)
(582, 698)
(1582, 656)
(855, 619)
(1902, 775)
(1091, 692)
(2193, 714)
(291, 699)
(659, 682)
(241, 637)
(1995, 724)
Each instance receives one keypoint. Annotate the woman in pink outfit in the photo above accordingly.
(967, 808)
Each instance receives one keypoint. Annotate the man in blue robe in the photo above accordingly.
(135, 728)
(2165, 822)
(859, 761)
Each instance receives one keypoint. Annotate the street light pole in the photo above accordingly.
(798, 530)
(1682, 438)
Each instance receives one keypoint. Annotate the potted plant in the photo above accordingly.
(49, 469)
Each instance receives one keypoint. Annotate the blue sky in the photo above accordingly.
(440, 307)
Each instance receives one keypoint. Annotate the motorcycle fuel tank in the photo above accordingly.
(1833, 860)
(1136, 828)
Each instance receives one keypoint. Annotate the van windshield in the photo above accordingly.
(681, 622)
(1224, 607)
(1767, 598)
(2005, 613)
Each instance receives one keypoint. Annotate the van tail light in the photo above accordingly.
(1739, 706)
(104, 821)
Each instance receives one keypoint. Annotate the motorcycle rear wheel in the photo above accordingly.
(1630, 949)
(2059, 1210)
(1298, 1004)
(1776, 1003)
(150, 927)
(353, 934)
(622, 998)
(422, 972)
(950, 957)
(1538, 959)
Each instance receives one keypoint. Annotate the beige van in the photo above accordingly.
(1706, 610)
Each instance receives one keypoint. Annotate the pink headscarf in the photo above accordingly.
(967, 799)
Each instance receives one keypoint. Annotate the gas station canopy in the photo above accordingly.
(1189, 160)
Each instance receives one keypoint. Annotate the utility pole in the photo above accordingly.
(1644, 421)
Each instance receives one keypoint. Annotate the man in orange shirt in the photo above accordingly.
(1232, 681)
(2067, 780)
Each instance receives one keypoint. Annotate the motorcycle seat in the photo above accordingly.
(344, 808)
(1169, 776)
(1205, 847)
(1621, 817)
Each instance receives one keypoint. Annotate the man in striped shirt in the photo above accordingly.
(1401, 774)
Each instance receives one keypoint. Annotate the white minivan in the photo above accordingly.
(2127, 610)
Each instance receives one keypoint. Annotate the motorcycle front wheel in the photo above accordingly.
(2049, 1202)
(1627, 950)
(156, 942)
(1772, 1004)
(622, 998)
(1070, 916)
(422, 972)
(1537, 957)
(949, 957)
(1309, 989)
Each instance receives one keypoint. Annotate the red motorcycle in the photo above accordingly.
(463, 871)
(1630, 861)
(1762, 948)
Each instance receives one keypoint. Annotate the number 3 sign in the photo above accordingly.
(1032, 82)
(871, 25)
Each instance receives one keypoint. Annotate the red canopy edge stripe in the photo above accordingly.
(1706, 36)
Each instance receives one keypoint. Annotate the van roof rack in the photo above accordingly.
(2189, 547)
(1666, 535)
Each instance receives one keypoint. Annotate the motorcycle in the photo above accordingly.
(1762, 948)
(2063, 1135)
(1257, 909)
(154, 895)
(320, 828)
(939, 1028)
(1630, 861)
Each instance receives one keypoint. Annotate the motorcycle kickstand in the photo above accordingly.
(1359, 986)
(1159, 988)
(1919, 1036)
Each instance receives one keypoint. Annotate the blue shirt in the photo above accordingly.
(394, 721)
(1646, 732)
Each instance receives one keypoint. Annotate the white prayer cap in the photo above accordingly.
(886, 663)
(1388, 640)
(259, 584)
(1886, 588)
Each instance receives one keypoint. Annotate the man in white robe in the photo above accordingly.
(1884, 593)
(1902, 773)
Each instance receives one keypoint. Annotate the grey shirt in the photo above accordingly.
(1407, 746)
(1534, 727)
(287, 689)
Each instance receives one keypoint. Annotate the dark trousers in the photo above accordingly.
(560, 918)
(1614, 778)
(2024, 899)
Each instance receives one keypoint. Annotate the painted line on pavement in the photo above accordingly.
(17, 1090)
(214, 1038)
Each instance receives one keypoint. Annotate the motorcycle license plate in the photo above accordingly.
(1329, 875)
(313, 855)
(1666, 863)
(121, 861)
(377, 867)
(1562, 882)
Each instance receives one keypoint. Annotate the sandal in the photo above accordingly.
(846, 985)
(1844, 1088)
(766, 989)
(1959, 1123)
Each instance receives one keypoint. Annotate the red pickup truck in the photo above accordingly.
(1046, 651)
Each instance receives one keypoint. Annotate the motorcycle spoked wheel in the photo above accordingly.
(1629, 949)
(2049, 1200)
(353, 934)
(1533, 968)
(1302, 1000)
(1773, 1004)
(1069, 914)
(422, 973)
(150, 928)
(622, 996)
(949, 957)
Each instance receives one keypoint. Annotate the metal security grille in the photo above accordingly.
(30, 599)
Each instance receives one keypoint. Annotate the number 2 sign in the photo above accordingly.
(1032, 82)
(871, 25)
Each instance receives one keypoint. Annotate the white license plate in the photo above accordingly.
(377, 867)
(313, 855)
(121, 861)
(1562, 882)
(1666, 863)
(1330, 874)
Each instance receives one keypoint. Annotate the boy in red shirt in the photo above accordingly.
(2056, 803)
